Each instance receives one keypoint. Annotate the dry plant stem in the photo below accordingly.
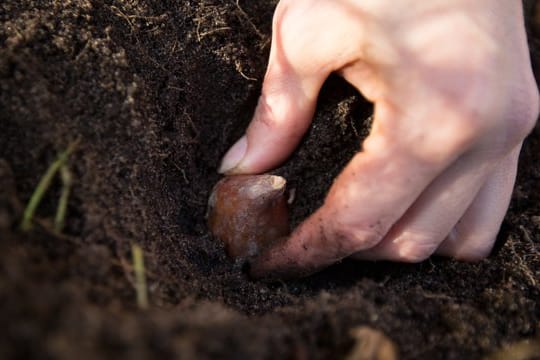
(43, 186)
(61, 210)
(140, 277)
(371, 344)
(521, 350)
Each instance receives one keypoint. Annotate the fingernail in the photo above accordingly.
(234, 156)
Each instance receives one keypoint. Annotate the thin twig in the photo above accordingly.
(212, 31)
(248, 19)
(119, 13)
(239, 69)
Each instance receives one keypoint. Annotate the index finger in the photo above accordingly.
(371, 194)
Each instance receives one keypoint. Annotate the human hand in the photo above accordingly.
(454, 98)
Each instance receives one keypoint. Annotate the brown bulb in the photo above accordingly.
(248, 213)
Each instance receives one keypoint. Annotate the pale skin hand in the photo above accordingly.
(454, 98)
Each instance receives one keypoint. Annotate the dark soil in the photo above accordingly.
(156, 92)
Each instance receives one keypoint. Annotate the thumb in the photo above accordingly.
(282, 116)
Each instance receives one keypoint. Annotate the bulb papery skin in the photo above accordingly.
(248, 213)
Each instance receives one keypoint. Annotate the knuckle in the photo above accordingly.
(469, 248)
(474, 251)
(271, 117)
(506, 121)
(414, 251)
(296, 27)
(526, 110)
(353, 238)
(461, 135)
(350, 228)
(501, 124)
(290, 15)
(520, 118)
(265, 116)
(472, 119)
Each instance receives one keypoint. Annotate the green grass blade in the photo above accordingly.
(61, 210)
(140, 277)
(43, 186)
